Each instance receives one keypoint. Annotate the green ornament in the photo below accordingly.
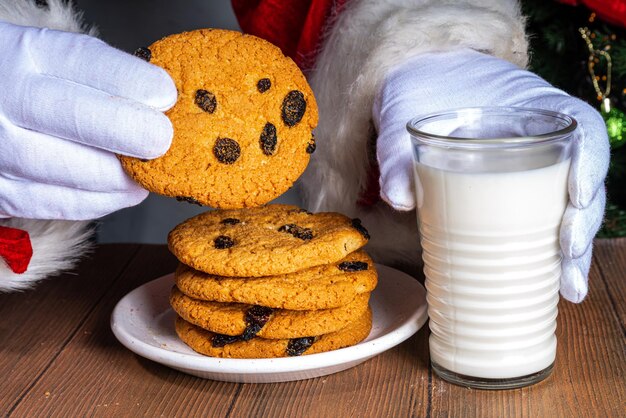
(615, 120)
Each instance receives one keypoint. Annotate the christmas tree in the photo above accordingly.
(583, 52)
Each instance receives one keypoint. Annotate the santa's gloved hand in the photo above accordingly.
(440, 81)
(68, 104)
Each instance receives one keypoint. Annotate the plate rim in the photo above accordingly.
(229, 366)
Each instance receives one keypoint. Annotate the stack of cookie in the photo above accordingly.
(266, 281)
(272, 281)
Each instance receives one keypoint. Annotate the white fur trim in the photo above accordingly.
(368, 39)
(57, 246)
(59, 15)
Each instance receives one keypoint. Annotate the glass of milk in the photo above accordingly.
(491, 187)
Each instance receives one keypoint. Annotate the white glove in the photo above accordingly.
(440, 81)
(68, 104)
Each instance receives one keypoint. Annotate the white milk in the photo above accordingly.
(492, 265)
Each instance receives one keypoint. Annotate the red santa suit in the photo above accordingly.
(345, 47)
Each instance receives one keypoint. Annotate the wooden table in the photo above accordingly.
(58, 357)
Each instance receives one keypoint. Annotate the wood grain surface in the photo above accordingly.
(59, 358)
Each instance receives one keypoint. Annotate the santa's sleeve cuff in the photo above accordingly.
(56, 245)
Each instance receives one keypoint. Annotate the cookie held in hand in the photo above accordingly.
(243, 121)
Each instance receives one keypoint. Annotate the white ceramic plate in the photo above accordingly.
(144, 322)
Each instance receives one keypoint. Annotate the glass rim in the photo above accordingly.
(500, 142)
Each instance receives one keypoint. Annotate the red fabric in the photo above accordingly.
(296, 27)
(15, 248)
(371, 194)
(611, 11)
